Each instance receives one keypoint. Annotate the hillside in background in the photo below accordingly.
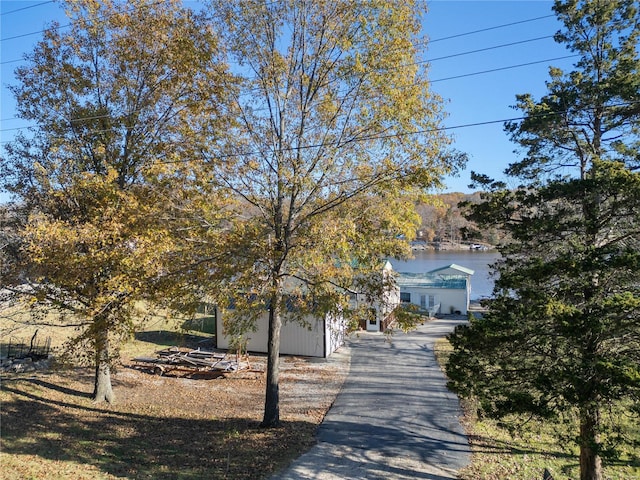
(444, 225)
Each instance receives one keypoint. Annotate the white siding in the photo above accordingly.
(449, 299)
(319, 338)
(452, 301)
(334, 338)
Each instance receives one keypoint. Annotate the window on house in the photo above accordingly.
(405, 297)
(423, 301)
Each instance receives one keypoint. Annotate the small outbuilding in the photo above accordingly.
(445, 290)
(319, 336)
(315, 337)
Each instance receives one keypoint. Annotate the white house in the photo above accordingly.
(445, 290)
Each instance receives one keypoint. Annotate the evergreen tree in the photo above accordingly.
(562, 335)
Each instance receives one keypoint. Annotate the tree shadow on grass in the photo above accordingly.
(482, 444)
(84, 375)
(54, 386)
(137, 445)
(167, 338)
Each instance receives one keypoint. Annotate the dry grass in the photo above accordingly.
(168, 427)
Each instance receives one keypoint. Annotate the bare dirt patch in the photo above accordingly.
(162, 427)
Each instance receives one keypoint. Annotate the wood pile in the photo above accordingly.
(192, 361)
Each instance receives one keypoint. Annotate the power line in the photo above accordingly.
(490, 28)
(509, 67)
(472, 32)
(394, 135)
(495, 27)
(453, 55)
(418, 62)
(12, 61)
(435, 59)
(60, 27)
(25, 8)
(469, 52)
(504, 68)
(494, 47)
(407, 134)
(97, 117)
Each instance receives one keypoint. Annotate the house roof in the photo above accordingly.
(428, 280)
(450, 277)
(453, 270)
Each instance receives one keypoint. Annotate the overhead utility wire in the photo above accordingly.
(407, 134)
(495, 47)
(489, 28)
(402, 134)
(60, 27)
(25, 8)
(415, 63)
(418, 132)
(486, 49)
(503, 68)
(470, 52)
(96, 117)
(426, 42)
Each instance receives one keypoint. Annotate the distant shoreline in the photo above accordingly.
(420, 245)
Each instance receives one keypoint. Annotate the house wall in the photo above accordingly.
(382, 305)
(391, 299)
(449, 299)
(320, 338)
(452, 301)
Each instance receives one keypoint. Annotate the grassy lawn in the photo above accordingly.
(524, 450)
(160, 427)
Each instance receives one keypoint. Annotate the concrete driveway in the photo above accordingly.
(394, 417)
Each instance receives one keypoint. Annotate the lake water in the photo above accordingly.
(478, 261)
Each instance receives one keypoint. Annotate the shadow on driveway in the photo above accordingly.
(394, 417)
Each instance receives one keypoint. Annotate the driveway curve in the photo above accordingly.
(394, 418)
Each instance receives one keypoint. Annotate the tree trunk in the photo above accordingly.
(590, 462)
(103, 391)
(272, 397)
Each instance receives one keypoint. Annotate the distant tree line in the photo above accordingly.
(443, 220)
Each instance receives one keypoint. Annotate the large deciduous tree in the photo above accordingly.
(338, 128)
(120, 102)
(562, 335)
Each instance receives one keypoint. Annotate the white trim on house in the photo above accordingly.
(453, 269)
(381, 307)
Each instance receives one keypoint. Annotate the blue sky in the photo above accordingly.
(472, 98)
